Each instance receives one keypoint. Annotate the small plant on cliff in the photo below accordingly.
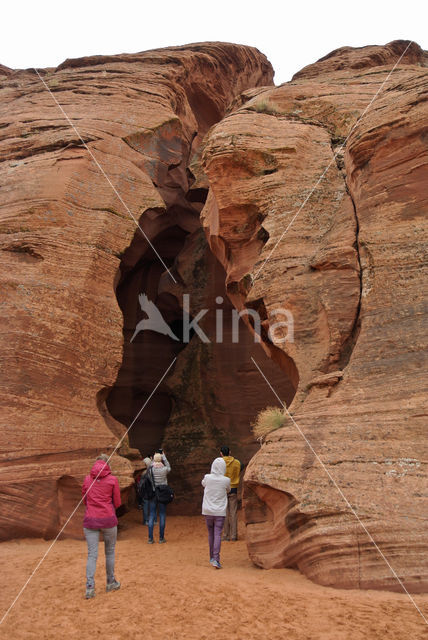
(268, 420)
(265, 106)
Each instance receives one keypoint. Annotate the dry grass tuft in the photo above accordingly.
(265, 106)
(268, 420)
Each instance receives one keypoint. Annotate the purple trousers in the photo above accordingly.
(215, 527)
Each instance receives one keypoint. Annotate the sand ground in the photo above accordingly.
(170, 592)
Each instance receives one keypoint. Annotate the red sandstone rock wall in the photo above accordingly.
(350, 268)
(63, 233)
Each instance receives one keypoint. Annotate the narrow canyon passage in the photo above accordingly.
(150, 353)
(213, 393)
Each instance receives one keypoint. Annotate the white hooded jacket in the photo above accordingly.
(217, 486)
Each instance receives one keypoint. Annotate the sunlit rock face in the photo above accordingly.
(70, 385)
(336, 235)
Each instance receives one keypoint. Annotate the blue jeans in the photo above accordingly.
(146, 511)
(92, 538)
(152, 516)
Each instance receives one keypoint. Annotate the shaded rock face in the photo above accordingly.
(71, 385)
(338, 240)
(215, 390)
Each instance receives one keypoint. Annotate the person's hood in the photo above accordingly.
(218, 467)
(100, 469)
(228, 460)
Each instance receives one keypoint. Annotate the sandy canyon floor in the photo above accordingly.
(171, 592)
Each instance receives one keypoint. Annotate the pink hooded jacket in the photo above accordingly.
(102, 498)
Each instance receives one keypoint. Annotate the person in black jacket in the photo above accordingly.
(142, 496)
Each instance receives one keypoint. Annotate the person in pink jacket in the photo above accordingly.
(101, 496)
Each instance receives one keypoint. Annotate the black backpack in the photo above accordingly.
(164, 493)
(146, 486)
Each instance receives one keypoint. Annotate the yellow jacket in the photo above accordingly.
(233, 470)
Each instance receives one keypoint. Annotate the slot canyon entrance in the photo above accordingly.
(213, 393)
(146, 354)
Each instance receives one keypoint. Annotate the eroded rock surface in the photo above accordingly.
(332, 235)
(64, 233)
(337, 236)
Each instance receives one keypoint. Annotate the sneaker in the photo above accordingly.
(225, 539)
(162, 541)
(150, 541)
(113, 586)
(216, 564)
(90, 593)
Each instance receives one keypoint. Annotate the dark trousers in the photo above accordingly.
(215, 527)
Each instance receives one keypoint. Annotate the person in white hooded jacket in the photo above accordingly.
(216, 487)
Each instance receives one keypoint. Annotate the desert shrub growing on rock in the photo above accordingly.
(268, 420)
(265, 106)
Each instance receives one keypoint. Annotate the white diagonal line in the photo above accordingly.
(331, 162)
(83, 497)
(340, 491)
(104, 174)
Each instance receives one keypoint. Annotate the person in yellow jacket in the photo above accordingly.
(233, 471)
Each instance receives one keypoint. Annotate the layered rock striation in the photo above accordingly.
(317, 205)
(68, 238)
(312, 198)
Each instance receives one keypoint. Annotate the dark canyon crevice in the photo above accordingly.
(350, 342)
(146, 267)
(338, 147)
(213, 393)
